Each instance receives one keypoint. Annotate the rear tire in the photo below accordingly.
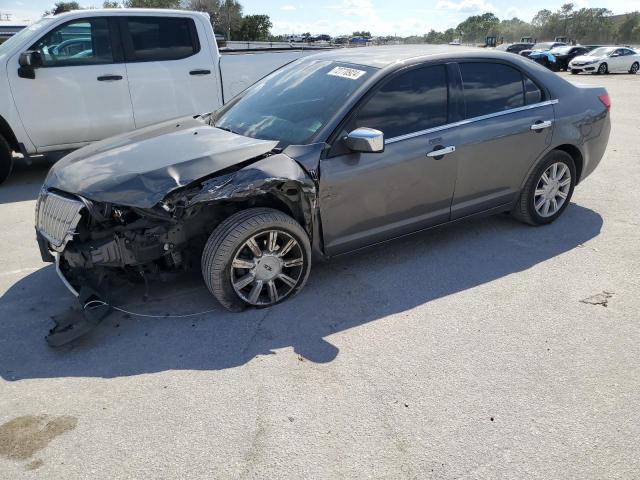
(274, 271)
(634, 68)
(603, 69)
(6, 160)
(536, 190)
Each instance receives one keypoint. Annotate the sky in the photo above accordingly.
(380, 17)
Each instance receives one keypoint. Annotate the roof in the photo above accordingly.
(385, 56)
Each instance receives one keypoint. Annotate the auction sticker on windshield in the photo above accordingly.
(345, 72)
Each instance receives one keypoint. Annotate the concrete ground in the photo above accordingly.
(465, 352)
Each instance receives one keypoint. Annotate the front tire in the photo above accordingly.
(6, 160)
(634, 68)
(256, 257)
(603, 69)
(548, 190)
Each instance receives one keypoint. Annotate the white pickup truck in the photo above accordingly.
(86, 75)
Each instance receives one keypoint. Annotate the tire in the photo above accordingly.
(525, 208)
(6, 160)
(228, 245)
(603, 69)
(634, 68)
(574, 72)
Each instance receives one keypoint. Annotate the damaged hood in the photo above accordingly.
(140, 168)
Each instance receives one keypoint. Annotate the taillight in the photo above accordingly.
(606, 101)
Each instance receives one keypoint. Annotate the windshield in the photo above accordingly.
(25, 32)
(292, 104)
(599, 52)
(542, 46)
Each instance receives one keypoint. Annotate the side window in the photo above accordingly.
(490, 88)
(618, 52)
(156, 38)
(532, 93)
(410, 102)
(80, 42)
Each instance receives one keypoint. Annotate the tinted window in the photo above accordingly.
(292, 104)
(531, 92)
(413, 101)
(79, 42)
(490, 88)
(160, 38)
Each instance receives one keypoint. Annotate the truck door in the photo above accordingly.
(170, 66)
(80, 93)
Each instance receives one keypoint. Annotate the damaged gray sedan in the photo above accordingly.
(330, 154)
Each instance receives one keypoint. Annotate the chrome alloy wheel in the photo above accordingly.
(552, 189)
(267, 267)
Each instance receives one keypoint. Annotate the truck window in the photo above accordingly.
(158, 38)
(493, 87)
(85, 41)
(410, 102)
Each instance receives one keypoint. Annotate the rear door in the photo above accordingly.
(171, 72)
(370, 197)
(507, 125)
(80, 93)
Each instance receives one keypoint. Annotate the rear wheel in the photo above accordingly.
(603, 69)
(548, 190)
(6, 159)
(257, 257)
(634, 68)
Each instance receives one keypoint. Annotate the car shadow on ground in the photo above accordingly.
(25, 181)
(341, 294)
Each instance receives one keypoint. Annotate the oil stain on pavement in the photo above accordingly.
(24, 436)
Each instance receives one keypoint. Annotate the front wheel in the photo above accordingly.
(257, 257)
(634, 68)
(603, 69)
(548, 190)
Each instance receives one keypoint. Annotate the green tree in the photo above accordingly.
(477, 27)
(627, 31)
(255, 27)
(363, 33)
(110, 4)
(61, 7)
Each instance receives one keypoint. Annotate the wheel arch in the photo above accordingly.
(7, 132)
(576, 155)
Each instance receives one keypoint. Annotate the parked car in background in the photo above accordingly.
(605, 60)
(541, 47)
(514, 47)
(327, 155)
(86, 75)
(564, 54)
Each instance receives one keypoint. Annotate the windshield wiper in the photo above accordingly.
(226, 129)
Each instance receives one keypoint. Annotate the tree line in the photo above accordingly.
(584, 25)
(226, 16)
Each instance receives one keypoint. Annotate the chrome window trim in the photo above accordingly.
(468, 121)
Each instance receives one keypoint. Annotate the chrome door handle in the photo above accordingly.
(441, 151)
(542, 125)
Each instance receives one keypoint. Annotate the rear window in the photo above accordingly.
(157, 39)
(494, 87)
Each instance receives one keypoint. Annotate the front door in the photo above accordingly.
(370, 197)
(80, 94)
(507, 127)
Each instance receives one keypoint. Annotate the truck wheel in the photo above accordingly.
(547, 191)
(257, 257)
(6, 159)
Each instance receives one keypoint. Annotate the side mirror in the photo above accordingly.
(29, 61)
(365, 140)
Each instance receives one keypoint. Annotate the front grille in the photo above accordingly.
(57, 218)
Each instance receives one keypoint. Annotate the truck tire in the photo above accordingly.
(256, 257)
(6, 159)
(548, 190)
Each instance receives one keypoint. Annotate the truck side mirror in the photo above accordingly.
(29, 61)
(365, 140)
